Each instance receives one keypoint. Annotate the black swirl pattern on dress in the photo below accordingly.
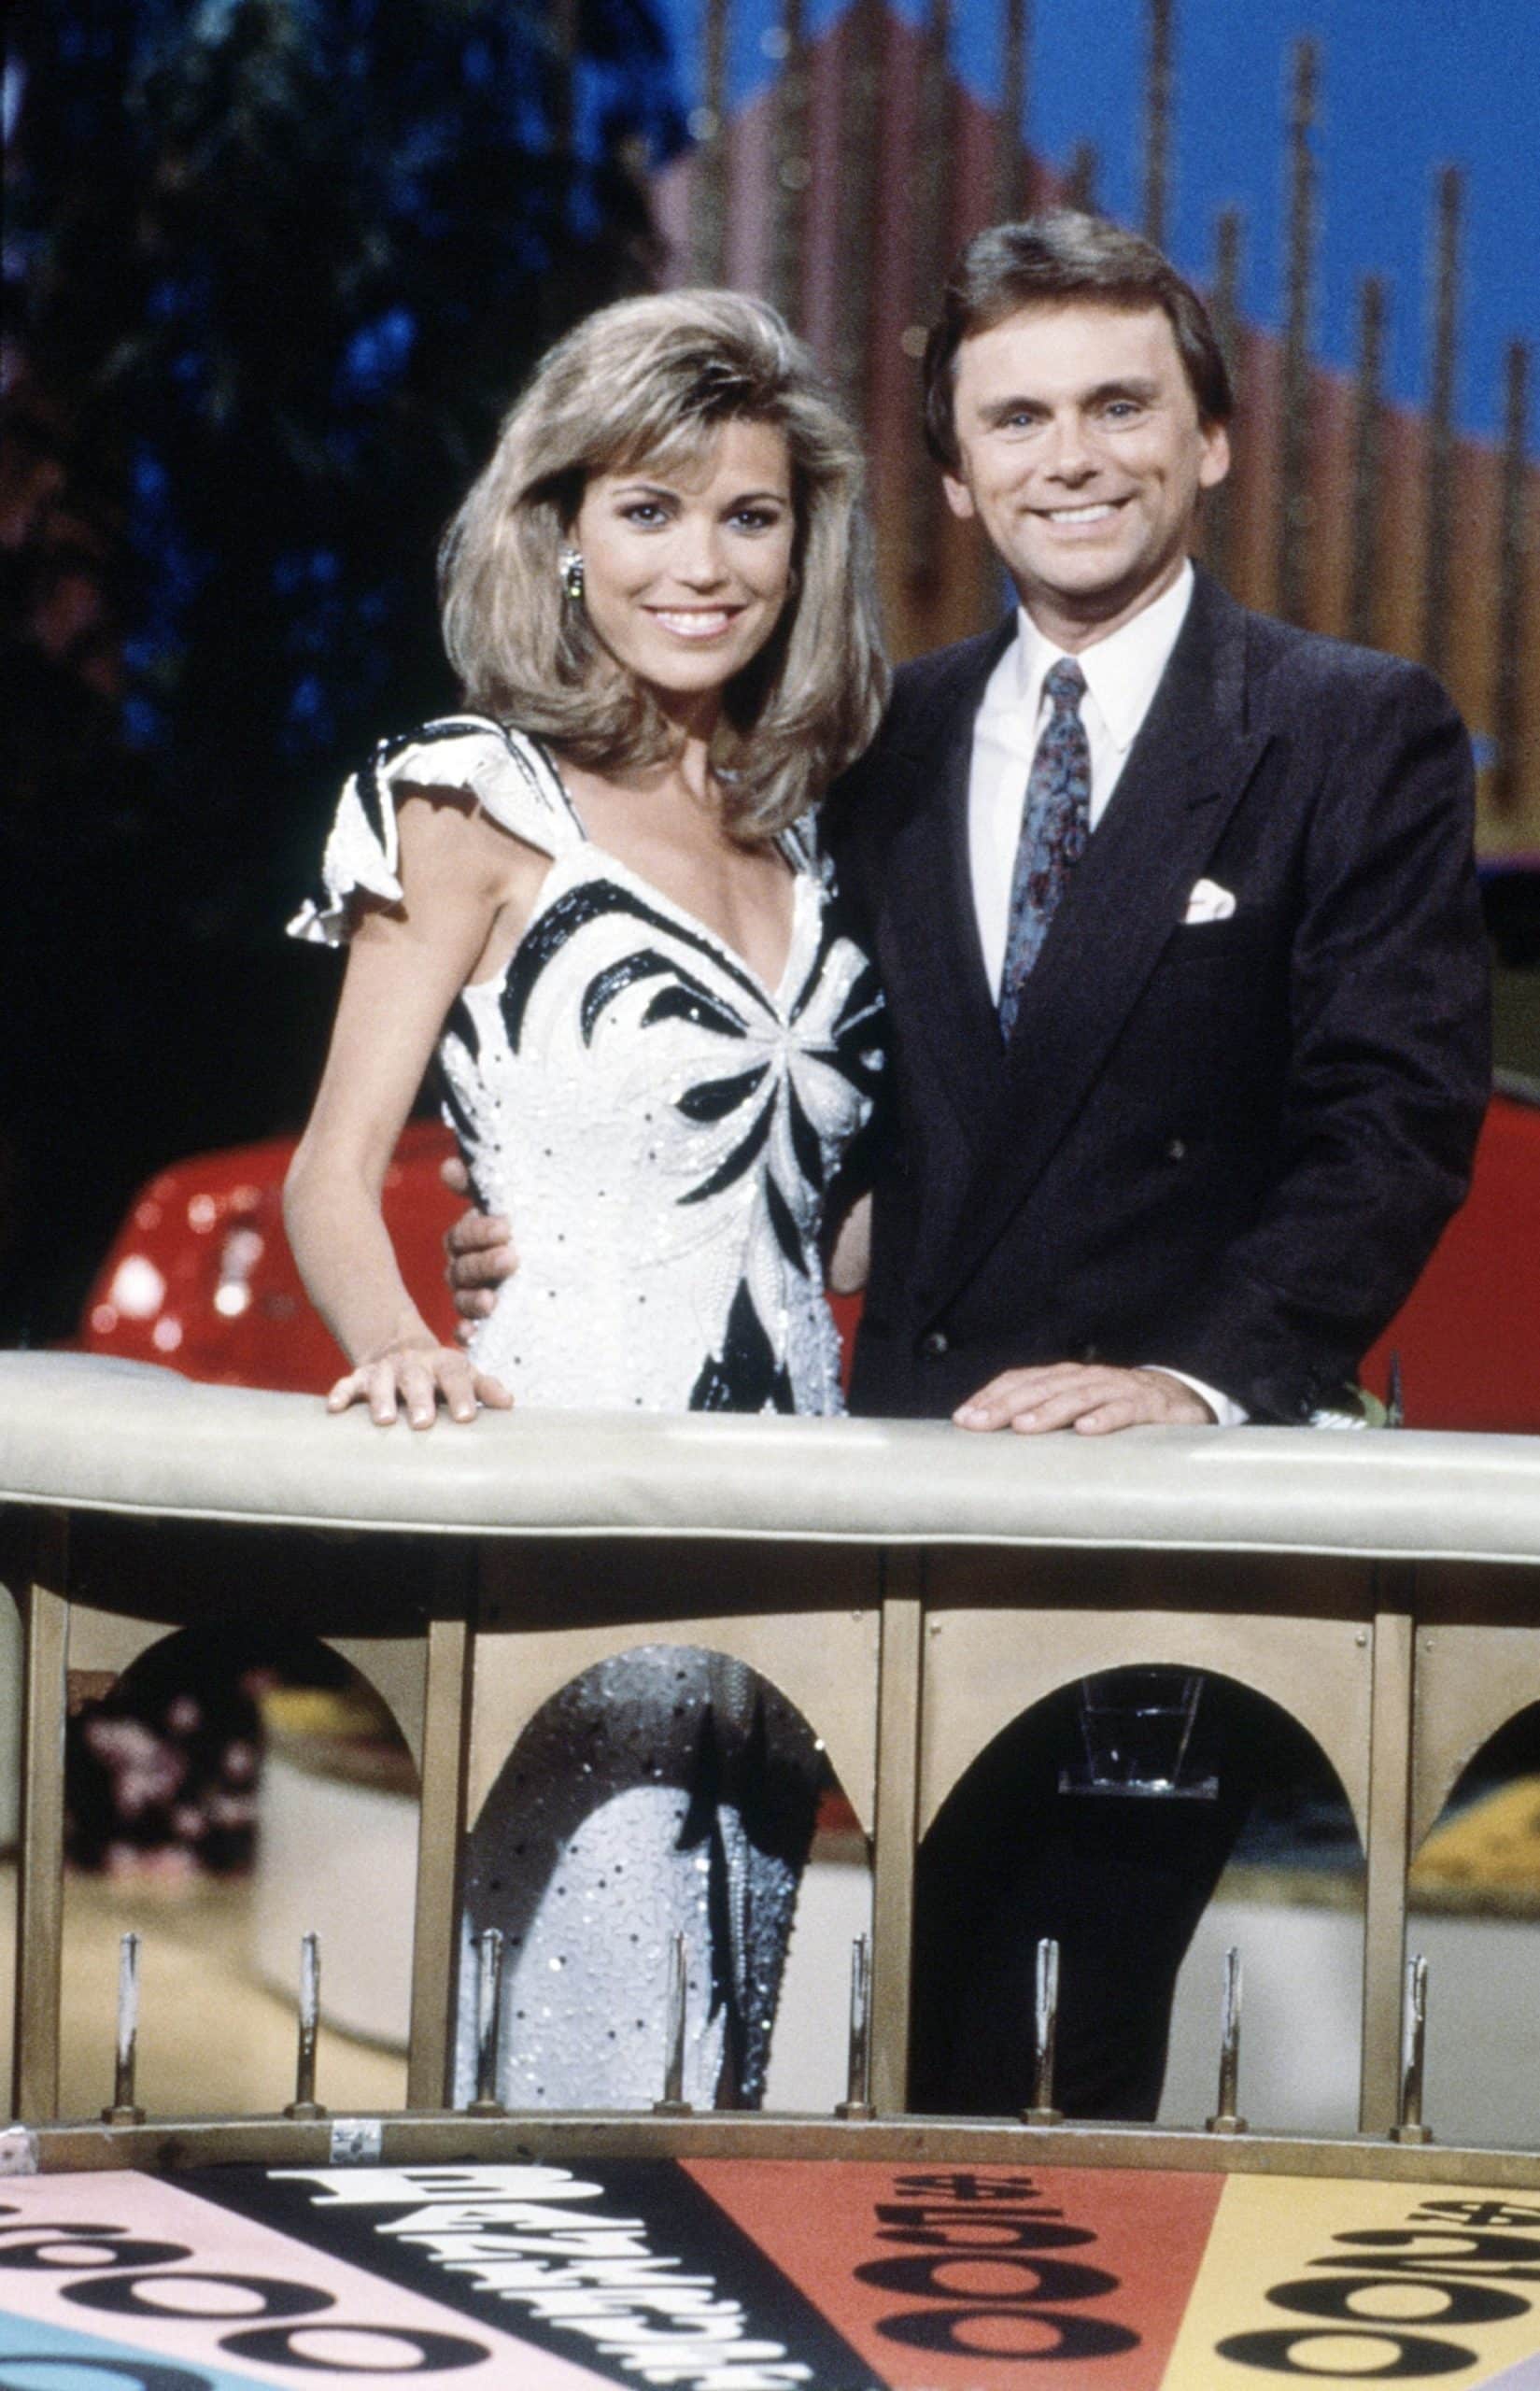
(745, 1375)
(689, 1001)
(646, 964)
(713, 1099)
(788, 1237)
(743, 1158)
(562, 921)
(859, 1043)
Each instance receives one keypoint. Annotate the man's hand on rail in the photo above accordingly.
(480, 1252)
(417, 1379)
(1092, 1397)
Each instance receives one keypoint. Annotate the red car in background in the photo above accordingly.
(200, 1278)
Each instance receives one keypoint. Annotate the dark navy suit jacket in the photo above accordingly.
(1226, 1146)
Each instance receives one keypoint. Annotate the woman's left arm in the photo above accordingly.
(405, 968)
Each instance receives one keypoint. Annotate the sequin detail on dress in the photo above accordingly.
(668, 1792)
(662, 1128)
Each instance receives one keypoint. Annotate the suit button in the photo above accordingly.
(1176, 1149)
(933, 1344)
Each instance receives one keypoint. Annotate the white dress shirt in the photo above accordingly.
(1122, 674)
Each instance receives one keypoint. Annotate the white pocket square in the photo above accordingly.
(1209, 902)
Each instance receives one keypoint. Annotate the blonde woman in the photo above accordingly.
(595, 894)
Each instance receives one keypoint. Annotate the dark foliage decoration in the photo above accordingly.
(274, 269)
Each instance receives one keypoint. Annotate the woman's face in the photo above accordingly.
(685, 573)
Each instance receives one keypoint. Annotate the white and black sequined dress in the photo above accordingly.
(662, 1128)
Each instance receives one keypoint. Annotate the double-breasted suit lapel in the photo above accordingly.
(1189, 764)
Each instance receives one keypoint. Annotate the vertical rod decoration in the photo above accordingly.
(125, 2110)
(1227, 2117)
(1158, 91)
(857, 2099)
(709, 177)
(1219, 505)
(1368, 460)
(1439, 538)
(1293, 513)
(1080, 189)
(1045, 2036)
(791, 167)
(1011, 152)
(932, 184)
(1508, 722)
(863, 62)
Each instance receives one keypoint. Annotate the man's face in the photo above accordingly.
(1083, 456)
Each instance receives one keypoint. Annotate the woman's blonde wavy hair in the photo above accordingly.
(649, 383)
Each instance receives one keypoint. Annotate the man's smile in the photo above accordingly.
(1100, 510)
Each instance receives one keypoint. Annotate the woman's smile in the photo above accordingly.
(695, 622)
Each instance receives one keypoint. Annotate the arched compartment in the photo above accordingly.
(1473, 1900)
(227, 1790)
(1008, 1642)
(1151, 1774)
(666, 1788)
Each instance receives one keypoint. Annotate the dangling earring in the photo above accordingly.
(570, 566)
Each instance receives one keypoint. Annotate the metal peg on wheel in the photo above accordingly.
(125, 2110)
(488, 1949)
(1227, 2117)
(673, 2103)
(1414, 2033)
(304, 2103)
(1042, 2112)
(857, 2099)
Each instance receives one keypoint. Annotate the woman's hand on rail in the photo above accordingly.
(417, 1379)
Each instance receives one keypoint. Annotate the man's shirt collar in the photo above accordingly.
(1121, 672)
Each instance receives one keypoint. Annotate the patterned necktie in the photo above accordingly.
(1056, 825)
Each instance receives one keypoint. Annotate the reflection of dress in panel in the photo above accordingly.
(662, 1128)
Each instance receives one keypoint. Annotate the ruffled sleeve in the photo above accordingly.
(510, 777)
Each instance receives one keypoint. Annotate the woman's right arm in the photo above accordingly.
(405, 968)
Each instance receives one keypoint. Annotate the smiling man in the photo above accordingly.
(1174, 907)
(1175, 911)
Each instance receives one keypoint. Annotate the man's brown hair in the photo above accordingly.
(1053, 259)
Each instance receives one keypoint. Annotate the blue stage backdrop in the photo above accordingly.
(1409, 86)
